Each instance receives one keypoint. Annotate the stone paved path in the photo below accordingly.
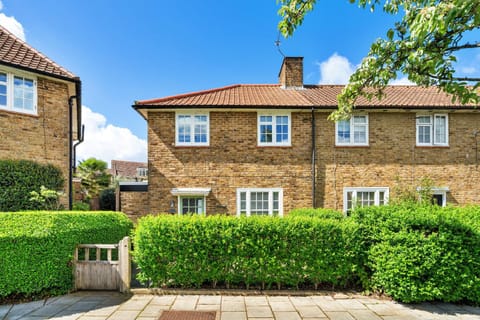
(115, 306)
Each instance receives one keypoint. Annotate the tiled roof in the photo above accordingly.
(126, 169)
(273, 95)
(15, 52)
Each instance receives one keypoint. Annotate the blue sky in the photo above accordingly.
(134, 50)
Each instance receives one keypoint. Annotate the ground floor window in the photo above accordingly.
(260, 201)
(190, 205)
(439, 195)
(190, 200)
(364, 197)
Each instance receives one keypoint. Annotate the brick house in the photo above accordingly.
(267, 149)
(129, 170)
(39, 107)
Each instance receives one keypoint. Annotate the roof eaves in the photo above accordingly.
(45, 73)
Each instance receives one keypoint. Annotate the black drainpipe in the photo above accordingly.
(80, 129)
(70, 150)
(314, 151)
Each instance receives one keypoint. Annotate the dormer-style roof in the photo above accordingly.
(16, 53)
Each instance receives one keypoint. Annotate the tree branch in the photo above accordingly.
(464, 46)
(455, 78)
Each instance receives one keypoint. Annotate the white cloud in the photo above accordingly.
(336, 70)
(12, 25)
(401, 82)
(468, 70)
(106, 141)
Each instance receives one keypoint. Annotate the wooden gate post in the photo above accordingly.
(125, 266)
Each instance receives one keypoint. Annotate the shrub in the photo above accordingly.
(423, 253)
(80, 206)
(107, 199)
(19, 177)
(36, 248)
(258, 251)
(317, 213)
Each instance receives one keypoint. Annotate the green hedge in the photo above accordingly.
(317, 213)
(19, 177)
(255, 251)
(36, 248)
(423, 253)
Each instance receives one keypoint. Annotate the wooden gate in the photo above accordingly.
(103, 266)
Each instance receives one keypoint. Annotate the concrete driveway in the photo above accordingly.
(112, 305)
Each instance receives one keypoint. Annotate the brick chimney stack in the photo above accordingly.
(291, 73)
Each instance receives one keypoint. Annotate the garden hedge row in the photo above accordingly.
(410, 253)
(36, 248)
(255, 251)
(423, 253)
(19, 177)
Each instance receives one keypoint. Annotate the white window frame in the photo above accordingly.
(432, 126)
(352, 132)
(11, 91)
(142, 172)
(182, 193)
(192, 142)
(270, 191)
(180, 204)
(274, 116)
(354, 191)
(439, 191)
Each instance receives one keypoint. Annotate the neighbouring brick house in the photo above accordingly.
(37, 98)
(267, 149)
(128, 170)
(132, 189)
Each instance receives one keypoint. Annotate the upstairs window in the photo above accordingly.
(142, 172)
(432, 130)
(192, 130)
(18, 93)
(352, 132)
(274, 130)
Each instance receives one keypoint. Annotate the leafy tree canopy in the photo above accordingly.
(94, 175)
(422, 45)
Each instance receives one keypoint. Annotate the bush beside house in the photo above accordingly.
(18, 178)
(36, 248)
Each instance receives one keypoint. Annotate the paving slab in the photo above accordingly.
(282, 315)
(342, 315)
(232, 315)
(310, 312)
(122, 315)
(302, 301)
(364, 315)
(259, 312)
(282, 306)
(256, 301)
(237, 306)
(210, 300)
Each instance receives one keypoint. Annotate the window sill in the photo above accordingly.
(351, 146)
(33, 115)
(275, 147)
(432, 147)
